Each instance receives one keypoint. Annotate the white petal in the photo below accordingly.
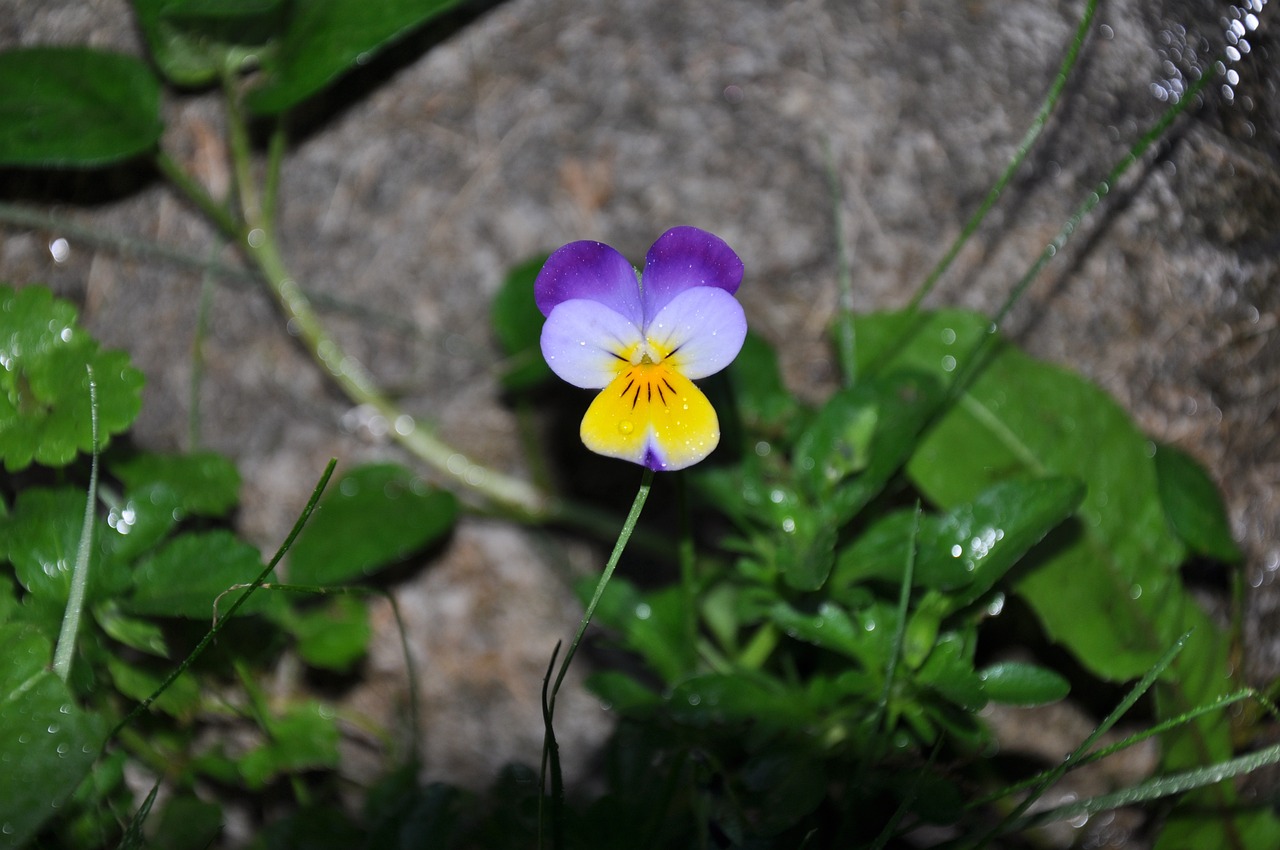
(586, 343)
(701, 328)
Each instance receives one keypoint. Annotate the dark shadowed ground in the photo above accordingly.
(428, 174)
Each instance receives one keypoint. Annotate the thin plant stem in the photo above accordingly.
(846, 339)
(1020, 154)
(549, 756)
(1069, 762)
(1135, 153)
(197, 362)
(218, 626)
(66, 648)
(899, 633)
(275, 158)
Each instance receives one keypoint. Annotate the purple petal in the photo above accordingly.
(685, 257)
(587, 343)
(590, 270)
(701, 329)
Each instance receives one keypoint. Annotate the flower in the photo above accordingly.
(642, 341)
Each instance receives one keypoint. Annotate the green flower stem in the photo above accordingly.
(66, 649)
(628, 526)
(550, 758)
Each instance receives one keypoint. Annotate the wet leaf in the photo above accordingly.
(200, 483)
(1019, 683)
(864, 635)
(325, 39)
(861, 437)
(1105, 585)
(44, 382)
(47, 743)
(375, 516)
(964, 552)
(75, 106)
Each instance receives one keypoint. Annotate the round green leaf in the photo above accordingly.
(193, 571)
(377, 515)
(75, 106)
(44, 383)
(332, 636)
(201, 483)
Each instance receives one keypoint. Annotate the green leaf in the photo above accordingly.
(190, 573)
(160, 492)
(1018, 683)
(864, 635)
(966, 551)
(47, 743)
(181, 699)
(332, 636)
(861, 437)
(1106, 585)
(1194, 506)
(201, 483)
(376, 516)
(75, 106)
(304, 738)
(192, 41)
(716, 699)
(135, 633)
(517, 323)
(325, 38)
(42, 538)
(44, 385)
(949, 671)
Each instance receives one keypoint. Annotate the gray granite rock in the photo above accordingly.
(426, 176)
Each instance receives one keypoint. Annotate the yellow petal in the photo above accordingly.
(654, 416)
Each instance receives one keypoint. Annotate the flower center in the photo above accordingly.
(645, 353)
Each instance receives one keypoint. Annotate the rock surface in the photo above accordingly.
(428, 174)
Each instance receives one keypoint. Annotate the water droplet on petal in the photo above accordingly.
(625, 427)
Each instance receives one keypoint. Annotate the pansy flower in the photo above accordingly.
(642, 341)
